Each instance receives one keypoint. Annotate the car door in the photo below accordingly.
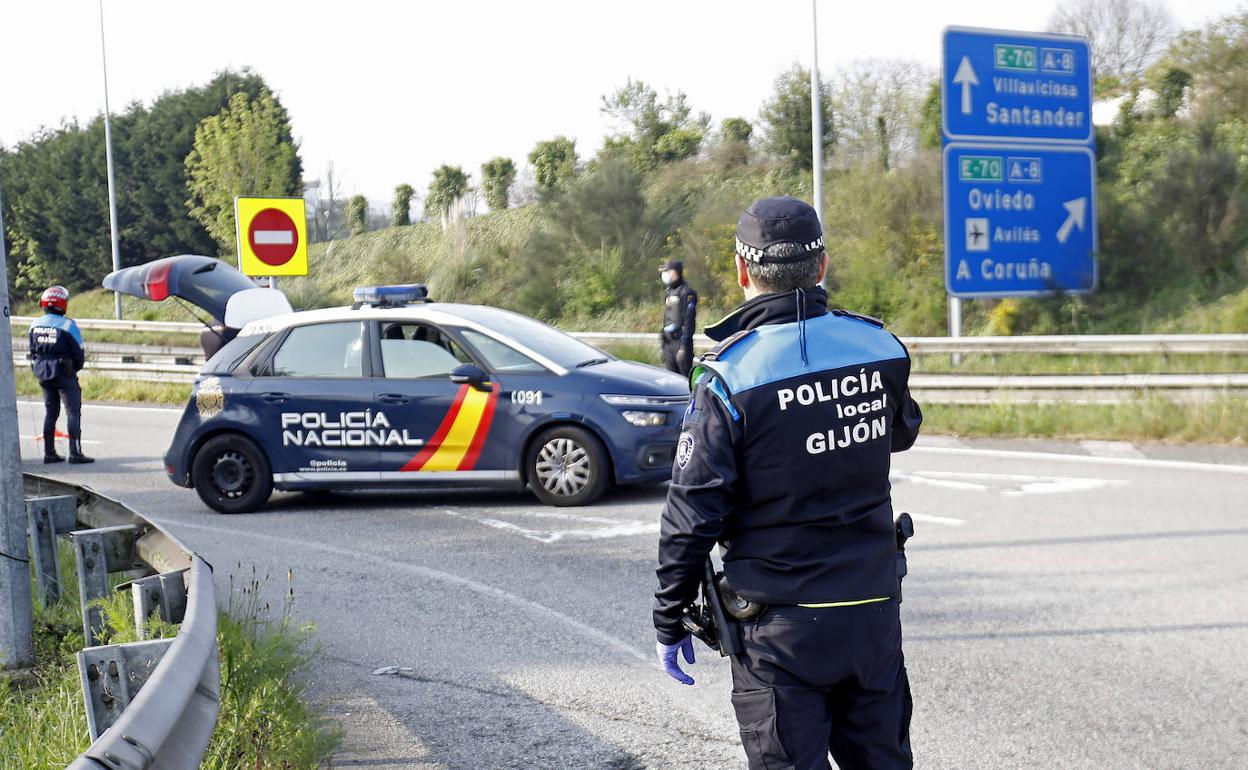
(528, 394)
(440, 429)
(315, 398)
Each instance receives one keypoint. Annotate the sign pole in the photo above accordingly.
(955, 325)
(16, 637)
(112, 180)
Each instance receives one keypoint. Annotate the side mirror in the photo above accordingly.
(467, 374)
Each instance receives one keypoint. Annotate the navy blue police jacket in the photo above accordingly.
(783, 459)
(55, 347)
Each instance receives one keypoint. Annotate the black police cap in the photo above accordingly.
(771, 221)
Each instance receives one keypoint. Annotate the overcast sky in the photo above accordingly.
(388, 91)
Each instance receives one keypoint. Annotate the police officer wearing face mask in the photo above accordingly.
(56, 357)
(680, 316)
(783, 460)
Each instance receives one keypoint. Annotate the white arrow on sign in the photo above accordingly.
(1076, 212)
(965, 76)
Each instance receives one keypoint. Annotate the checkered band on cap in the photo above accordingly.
(754, 254)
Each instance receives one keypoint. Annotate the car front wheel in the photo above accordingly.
(567, 466)
(231, 474)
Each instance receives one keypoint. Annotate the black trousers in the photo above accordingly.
(64, 388)
(677, 356)
(814, 682)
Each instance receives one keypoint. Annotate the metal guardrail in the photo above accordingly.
(1074, 344)
(181, 364)
(109, 324)
(150, 704)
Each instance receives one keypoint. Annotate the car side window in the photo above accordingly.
(411, 350)
(501, 357)
(321, 350)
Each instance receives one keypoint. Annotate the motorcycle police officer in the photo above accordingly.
(56, 356)
(783, 459)
(680, 314)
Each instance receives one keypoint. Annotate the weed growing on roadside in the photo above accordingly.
(265, 721)
(263, 724)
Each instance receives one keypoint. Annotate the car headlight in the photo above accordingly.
(631, 400)
(644, 419)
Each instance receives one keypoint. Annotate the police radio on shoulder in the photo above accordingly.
(390, 296)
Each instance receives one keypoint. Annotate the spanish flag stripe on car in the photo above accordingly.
(457, 443)
(478, 439)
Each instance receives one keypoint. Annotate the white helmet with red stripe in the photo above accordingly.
(55, 298)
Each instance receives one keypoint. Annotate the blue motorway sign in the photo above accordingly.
(1019, 219)
(1016, 86)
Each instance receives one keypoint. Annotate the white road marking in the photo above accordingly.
(940, 441)
(930, 519)
(1112, 449)
(922, 480)
(510, 600)
(611, 527)
(1054, 484)
(1009, 454)
(1006, 484)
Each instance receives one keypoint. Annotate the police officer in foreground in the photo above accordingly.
(680, 318)
(783, 460)
(56, 356)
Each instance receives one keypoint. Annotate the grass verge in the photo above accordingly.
(265, 721)
(1223, 421)
(97, 387)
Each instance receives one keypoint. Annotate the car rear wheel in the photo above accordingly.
(231, 474)
(567, 466)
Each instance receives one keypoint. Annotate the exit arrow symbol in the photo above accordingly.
(965, 76)
(1076, 211)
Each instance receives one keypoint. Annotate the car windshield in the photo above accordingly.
(547, 341)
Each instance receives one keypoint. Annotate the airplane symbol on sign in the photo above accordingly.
(977, 234)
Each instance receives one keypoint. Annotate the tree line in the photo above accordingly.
(179, 161)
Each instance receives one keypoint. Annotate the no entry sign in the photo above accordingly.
(272, 236)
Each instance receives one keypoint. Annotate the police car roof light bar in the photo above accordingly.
(390, 296)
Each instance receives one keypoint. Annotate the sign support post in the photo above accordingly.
(955, 326)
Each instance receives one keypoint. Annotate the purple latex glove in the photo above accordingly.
(667, 658)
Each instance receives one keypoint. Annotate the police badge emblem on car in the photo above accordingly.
(209, 398)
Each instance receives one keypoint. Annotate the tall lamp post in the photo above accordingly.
(16, 636)
(816, 114)
(112, 180)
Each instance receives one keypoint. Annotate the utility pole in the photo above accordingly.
(112, 180)
(16, 638)
(816, 114)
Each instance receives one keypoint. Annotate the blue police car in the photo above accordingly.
(400, 390)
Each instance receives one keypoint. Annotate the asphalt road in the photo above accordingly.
(1086, 611)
